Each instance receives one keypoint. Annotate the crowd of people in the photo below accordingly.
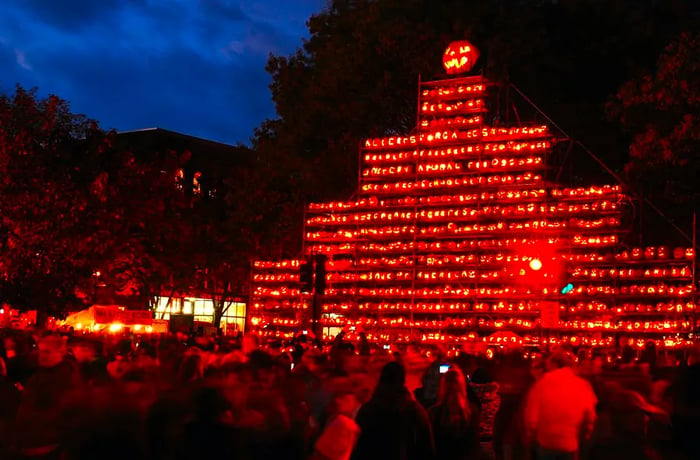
(173, 397)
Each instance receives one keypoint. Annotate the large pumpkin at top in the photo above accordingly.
(460, 57)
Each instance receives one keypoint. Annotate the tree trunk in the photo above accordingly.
(42, 318)
(220, 306)
(218, 314)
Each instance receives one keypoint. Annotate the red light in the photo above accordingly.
(536, 264)
(459, 57)
(440, 243)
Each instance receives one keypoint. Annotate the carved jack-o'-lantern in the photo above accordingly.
(459, 57)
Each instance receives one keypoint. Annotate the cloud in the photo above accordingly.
(22, 60)
(222, 9)
(72, 14)
(195, 66)
(255, 43)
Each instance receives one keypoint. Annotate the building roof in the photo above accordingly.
(204, 151)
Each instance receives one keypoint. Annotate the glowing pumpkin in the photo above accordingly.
(459, 57)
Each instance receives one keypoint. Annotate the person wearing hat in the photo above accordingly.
(559, 408)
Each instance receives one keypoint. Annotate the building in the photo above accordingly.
(207, 164)
(461, 234)
(201, 310)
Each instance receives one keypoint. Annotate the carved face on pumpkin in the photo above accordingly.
(459, 57)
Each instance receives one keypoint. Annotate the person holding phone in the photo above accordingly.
(427, 394)
(454, 418)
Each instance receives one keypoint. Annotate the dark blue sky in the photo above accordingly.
(194, 66)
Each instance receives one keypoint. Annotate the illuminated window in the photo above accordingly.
(203, 311)
(233, 320)
(179, 178)
(204, 307)
(188, 307)
(163, 311)
(331, 331)
(196, 184)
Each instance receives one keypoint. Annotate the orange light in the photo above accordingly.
(536, 264)
(459, 57)
(438, 243)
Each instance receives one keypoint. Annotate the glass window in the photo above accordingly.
(162, 307)
(196, 183)
(204, 307)
(332, 331)
(234, 319)
(232, 322)
(179, 178)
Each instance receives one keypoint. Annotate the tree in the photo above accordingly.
(661, 112)
(73, 205)
(47, 192)
(242, 222)
(357, 75)
(150, 228)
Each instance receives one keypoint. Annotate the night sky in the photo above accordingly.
(194, 66)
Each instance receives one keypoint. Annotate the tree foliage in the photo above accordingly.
(357, 74)
(72, 205)
(148, 222)
(47, 196)
(661, 110)
(242, 222)
(87, 216)
(31, 133)
(661, 113)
